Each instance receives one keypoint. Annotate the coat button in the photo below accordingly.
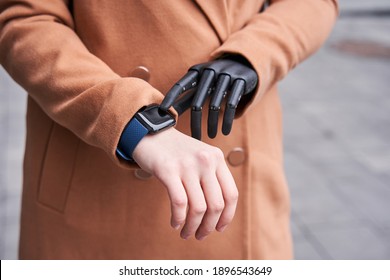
(142, 174)
(236, 156)
(141, 72)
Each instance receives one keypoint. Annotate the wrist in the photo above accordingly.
(149, 120)
(150, 146)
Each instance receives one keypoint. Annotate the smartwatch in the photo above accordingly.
(148, 120)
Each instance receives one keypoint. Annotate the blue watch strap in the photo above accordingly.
(131, 136)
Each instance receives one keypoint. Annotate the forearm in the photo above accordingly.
(42, 52)
(277, 40)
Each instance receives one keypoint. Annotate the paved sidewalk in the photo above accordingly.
(337, 140)
(12, 127)
(337, 143)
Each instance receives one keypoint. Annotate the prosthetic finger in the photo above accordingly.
(184, 102)
(231, 105)
(215, 104)
(203, 91)
(187, 82)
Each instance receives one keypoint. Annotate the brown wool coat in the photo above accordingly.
(89, 65)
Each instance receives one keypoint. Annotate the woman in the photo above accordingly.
(90, 66)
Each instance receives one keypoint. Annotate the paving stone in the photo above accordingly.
(302, 176)
(315, 143)
(296, 231)
(3, 254)
(307, 246)
(10, 241)
(304, 250)
(322, 207)
(353, 243)
(361, 191)
(363, 4)
(385, 235)
(376, 159)
(367, 196)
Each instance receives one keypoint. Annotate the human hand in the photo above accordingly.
(201, 188)
(214, 79)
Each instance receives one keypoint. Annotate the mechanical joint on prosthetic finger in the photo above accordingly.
(217, 80)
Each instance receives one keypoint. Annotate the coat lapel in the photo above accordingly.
(216, 12)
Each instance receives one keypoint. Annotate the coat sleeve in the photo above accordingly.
(41, 51)
(275, 41)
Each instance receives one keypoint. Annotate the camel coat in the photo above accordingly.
(89, 65)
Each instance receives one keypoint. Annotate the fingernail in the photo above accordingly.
(176, 227)
(185, 237)
(201, 238)
(221, 229)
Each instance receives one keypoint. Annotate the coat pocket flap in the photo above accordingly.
(58, 168)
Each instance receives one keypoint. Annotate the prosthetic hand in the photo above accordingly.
(215, 79)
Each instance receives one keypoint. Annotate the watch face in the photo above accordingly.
(155, 119)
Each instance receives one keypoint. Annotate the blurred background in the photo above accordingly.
(336, 140)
